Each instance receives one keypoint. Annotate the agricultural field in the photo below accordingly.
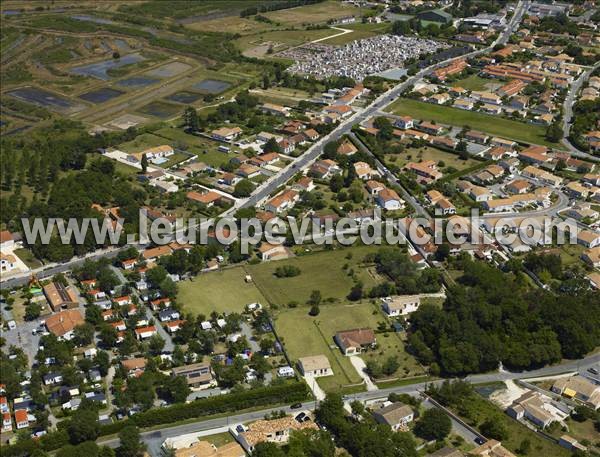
(313, 14)
(319, 271)
(493, 125)
(359, 32)
(221, 291)
(281, 95)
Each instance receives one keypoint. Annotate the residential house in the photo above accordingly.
(426, 171)
(304, 184)
(401, 305)
(8, 262)
(60, 297)
(476, 137)
(347, 148)
(374, 187)
(491, 109)
(134, 367)
(396, 415)
(487, 98)
(63, 323)
(273, 252)
(143, 333)
(315, 366)
(532, 407)
(580, 388)
(542, 175)
(196, 374)
(491, 448)
(154, 253)
(6, 422)
(168, 314)
(389, 199)
(207, 449)
(355, 341)
(7, 240)
(272, 431)
(285, 200)
(364, 171)
(272, 108)
(463, 103)
(429, 128)
(518, 186)
(480, 194)
(248, 171)
(21, 419)
(588, 238)
(324, 169)
(592, 257)
(208, 198)
(226, 133)
(511, 88)
(439, 99)
(577, 190)
(311, 134)
(404, 122)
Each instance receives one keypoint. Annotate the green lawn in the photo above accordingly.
(305, 335)
(141, 143)
(472, 82)
(205, 149)
(218, 291)
(280, 39)
(494, 125)
(28, 258)
(319, 271)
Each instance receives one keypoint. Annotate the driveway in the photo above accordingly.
(314, 386)
(361, 368)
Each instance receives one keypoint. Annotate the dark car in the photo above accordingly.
(296, 406)
(594, 371)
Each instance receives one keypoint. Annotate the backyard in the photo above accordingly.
(494, 125)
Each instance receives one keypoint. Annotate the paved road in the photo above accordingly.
(568, 114)
(155, 438)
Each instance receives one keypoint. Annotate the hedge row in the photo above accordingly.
(284, 393)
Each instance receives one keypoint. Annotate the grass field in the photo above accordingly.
(473, 82)
(279, 39)
(28, 258)
(305, 335)
(494, 125)
(232, 24)
(359, 31)
(281, 95)
(125, 169)
(221, 291)
(429, 153)
(319, 271)
(205, 149)
(313, 14)
(141, 143)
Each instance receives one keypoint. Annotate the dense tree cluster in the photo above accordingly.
(492, 317)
